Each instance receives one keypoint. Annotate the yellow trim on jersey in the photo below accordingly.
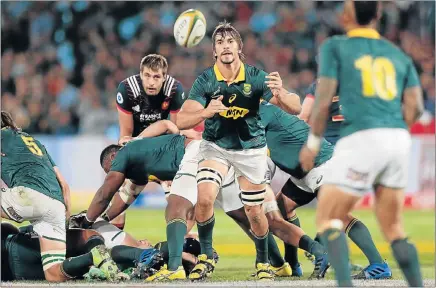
(239, 78)
(364, 32)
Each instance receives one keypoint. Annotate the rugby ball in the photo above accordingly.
(190, 28)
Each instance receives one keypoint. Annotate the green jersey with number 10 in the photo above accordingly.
(372, 74)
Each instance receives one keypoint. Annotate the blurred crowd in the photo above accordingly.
(62, 61)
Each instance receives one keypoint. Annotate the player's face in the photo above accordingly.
(107, 164)
(152, 80)
(226, 49)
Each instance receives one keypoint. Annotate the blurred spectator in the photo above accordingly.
(62, 61)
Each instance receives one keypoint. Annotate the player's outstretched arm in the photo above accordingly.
(193, 113)
(102, 198)
(65, 190)
(290, 102)
(126, 124)
(123, 199)
(413, 105)
(159, 128)
(306, 108)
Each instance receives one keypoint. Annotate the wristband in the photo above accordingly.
(313, 142)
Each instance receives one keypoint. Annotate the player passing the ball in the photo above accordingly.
(380, 92)
(227, 96)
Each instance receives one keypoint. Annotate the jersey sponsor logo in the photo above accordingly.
(232, 98)
(120, 99)
(246, 89)
(150, 117)
(234, 112)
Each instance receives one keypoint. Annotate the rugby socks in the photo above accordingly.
(93, 241)
(407, 258)
(359, 234)
(176, 231)
(77, 266)
(275, 257)
(261, 244)
(308, 244)
(291, 252)
(126, 254)
(205, 231)
(336, 243)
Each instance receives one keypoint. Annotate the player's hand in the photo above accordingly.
(274, 83)
(124, 140)
(80, 221)
(307, 158)
(215, 106)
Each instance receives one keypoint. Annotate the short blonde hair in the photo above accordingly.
(154, 62)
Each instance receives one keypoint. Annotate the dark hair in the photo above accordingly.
(226, 29)
(107, 151)
(154, 62)
(365, 11)
(7, 121)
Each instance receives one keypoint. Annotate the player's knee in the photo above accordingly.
(205, 203)
(178, 207)
(274, 218)
(208, 175)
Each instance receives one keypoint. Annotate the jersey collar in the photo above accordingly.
(239, 78)
(364, 33)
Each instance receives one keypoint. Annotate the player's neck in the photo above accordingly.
(229, 71)
(372, 25)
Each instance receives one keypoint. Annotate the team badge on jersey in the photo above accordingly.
(120, 99)
(165, 105)
(246, 89)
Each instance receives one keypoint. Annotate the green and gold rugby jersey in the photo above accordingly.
(26, 163)
(286, 134)
(372, 74)
(158, 156)
(240, 127)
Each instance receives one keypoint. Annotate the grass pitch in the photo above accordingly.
(237, 251)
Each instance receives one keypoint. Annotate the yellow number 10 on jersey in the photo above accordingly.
(378, 77)
(30, 143)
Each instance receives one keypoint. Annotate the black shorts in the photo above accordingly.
(298, 195)
(24, 257)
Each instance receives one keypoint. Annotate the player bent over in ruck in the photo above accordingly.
(34, 194)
